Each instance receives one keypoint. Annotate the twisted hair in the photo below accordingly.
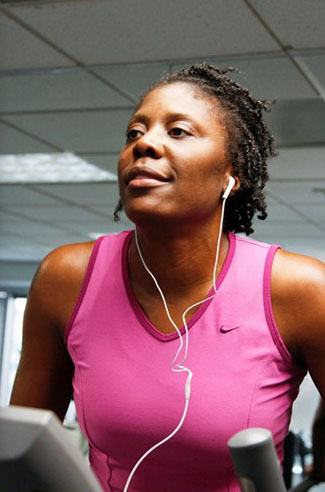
(249, 142)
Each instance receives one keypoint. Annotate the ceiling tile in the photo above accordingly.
(29, 248)
(59, 240)
(100, 227)
(21, 49)
(298, 121)
(299, 163)
(19, 253)
(134, 79)
(108, 162)
(298, 244)
(20, 196)
(51, 213)
(6, 217)
(8, 239)
(279, 213)
(94, 225)
(84, 194)
(297, 193)
(297, 24)
(98, 131)
(315, 212)
(36, 231)
(58, 90)
(13, 141)
(14, 248)
(316, 63)
(287, 229)
(143, 30)
(48, 236)
(287, 83)
(268, 77)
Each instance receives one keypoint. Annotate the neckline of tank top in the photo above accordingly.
(140, 314)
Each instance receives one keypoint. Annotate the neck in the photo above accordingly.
(182, 262)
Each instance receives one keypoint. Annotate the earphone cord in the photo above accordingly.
(178, 367)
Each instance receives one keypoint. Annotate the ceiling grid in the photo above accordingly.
(87, 62)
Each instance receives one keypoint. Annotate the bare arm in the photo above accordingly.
(298, 292)
(44, 376)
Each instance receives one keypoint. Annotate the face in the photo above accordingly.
(174, 165)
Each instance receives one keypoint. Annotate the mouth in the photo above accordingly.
(145, 177)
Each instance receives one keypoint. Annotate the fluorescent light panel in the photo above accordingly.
(50, 168)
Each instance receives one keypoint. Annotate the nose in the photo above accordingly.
(150, 144)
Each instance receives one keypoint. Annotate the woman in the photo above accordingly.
(96, 317)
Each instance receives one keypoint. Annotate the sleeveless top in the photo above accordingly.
(127, 398)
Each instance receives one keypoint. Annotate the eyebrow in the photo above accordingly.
(143, 118)
(138, 118)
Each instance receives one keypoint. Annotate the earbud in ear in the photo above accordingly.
(231, 184)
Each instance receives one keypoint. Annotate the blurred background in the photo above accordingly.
(70, 75)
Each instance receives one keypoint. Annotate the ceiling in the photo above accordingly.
(71, 72)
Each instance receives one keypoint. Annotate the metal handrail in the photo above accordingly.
(256, 464)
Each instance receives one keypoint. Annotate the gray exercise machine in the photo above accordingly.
(37, 455)
(256, 464)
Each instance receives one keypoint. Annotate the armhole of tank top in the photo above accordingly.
(268, 305)
(83, 288)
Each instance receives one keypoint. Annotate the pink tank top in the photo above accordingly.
(128, 399)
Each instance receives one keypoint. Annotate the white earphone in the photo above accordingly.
(231, 184)
(176, 365)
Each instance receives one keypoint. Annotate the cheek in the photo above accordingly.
(202, 180)
(203, 170)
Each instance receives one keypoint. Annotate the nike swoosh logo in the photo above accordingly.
(227, 328)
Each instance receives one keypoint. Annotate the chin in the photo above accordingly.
(144, 215)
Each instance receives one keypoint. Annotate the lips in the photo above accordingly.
(144, 176)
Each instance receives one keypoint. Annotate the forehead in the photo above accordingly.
(180, 98)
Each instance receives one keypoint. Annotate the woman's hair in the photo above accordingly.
(249, 141)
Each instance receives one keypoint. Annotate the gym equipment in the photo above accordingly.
(36, 454)
(256, 464)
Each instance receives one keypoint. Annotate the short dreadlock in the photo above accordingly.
(250, 143)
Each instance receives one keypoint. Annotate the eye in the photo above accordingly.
(178, 132)
(133, 134)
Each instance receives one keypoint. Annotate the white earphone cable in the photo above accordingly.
(160, 443)
(178, 367)
(218, 246)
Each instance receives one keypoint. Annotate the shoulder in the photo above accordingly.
(298, 299)
(66, 259)
(298, 276)
(58, 280)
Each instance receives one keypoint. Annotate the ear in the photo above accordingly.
(235, 185)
